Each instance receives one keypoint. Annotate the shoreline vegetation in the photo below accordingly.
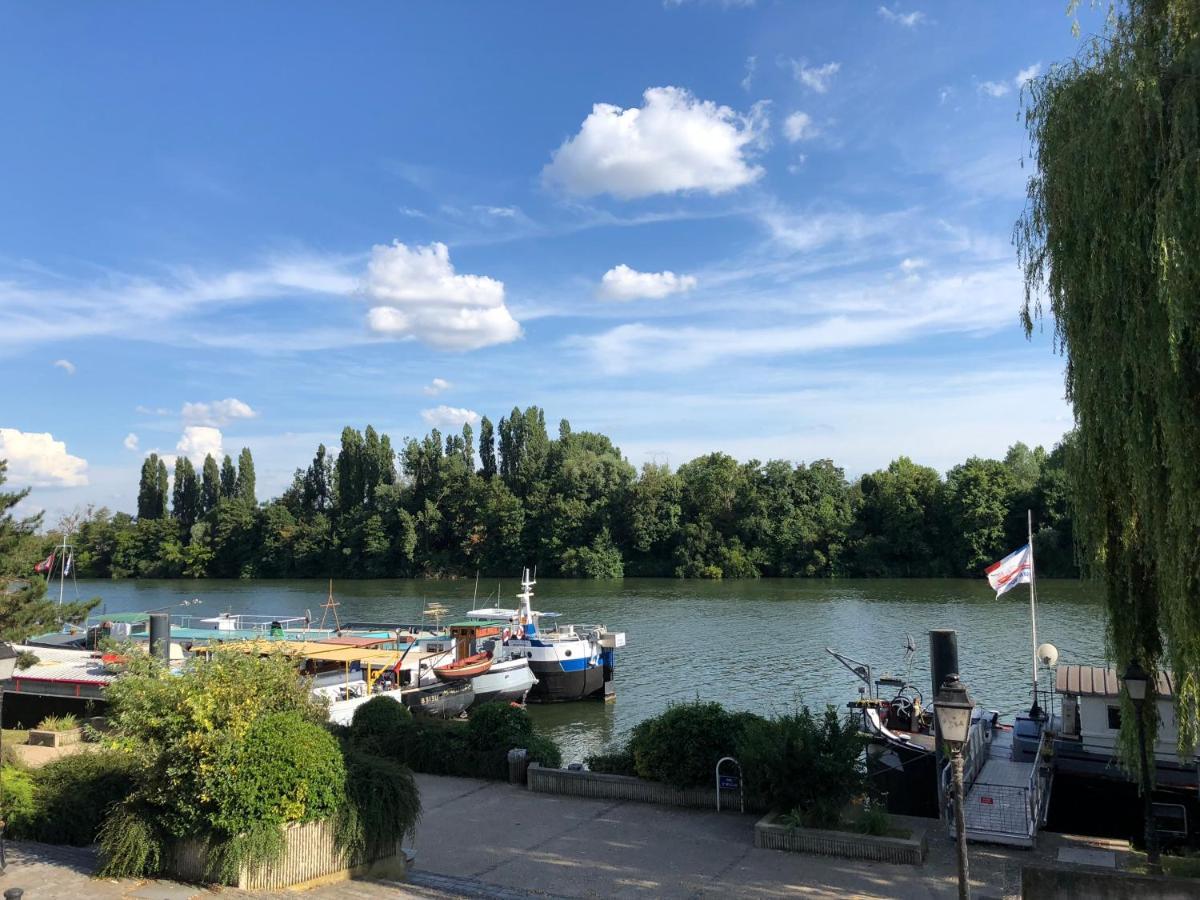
(443, 506)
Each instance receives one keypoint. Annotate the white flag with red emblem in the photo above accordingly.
(1014, 569)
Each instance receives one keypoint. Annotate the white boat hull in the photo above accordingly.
(507, 681)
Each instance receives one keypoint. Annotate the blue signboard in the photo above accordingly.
(730, 782)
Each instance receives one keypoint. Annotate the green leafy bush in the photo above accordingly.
(681, 746)
(18, 807)
(230, 750)
(383, 802)
(800, 762)
(26, 659)
(74, 793)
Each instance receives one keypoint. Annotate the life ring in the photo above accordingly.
(520, 632)
(507, 633)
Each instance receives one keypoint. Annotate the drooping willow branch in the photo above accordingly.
(1110, 239)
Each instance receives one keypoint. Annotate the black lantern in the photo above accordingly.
(953, 706)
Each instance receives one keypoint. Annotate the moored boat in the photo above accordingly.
(466, 668)
(570, 662)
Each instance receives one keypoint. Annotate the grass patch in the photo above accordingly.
(1183, 866)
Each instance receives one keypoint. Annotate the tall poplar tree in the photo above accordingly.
(487, 448)
(244, 489)
(185, 499)
(228, 479)
(152, 488)
(210, 485)
(1110, 238)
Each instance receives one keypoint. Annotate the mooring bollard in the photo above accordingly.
(518, 765)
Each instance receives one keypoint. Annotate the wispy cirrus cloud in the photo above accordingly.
(815, 78)
(910, 19)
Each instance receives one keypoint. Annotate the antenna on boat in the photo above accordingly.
(910, 650)
(475, 596)
(331, 604)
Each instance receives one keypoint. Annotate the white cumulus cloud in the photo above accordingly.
(435, 387)
(198, 441)
(673, 142)
(1027, 74)
(799, 127)
(218, 412)
(908, 19)
(66, 365)
(131, 441)
(624, 283)
(38, 460)
(815, 78)
(422, 297)
(1003, 88)
(449, 416)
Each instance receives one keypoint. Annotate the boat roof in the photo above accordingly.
(131, 618)
(492, 612)
(1094, 681)
(320, 651)
(358, 640)
(479, 623)
(74, 666)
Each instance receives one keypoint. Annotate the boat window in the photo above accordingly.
(566, 653)
(1114, 718)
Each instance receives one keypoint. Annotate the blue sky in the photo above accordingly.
(776, 229)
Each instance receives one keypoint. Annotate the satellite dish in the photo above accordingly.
(1047, 653)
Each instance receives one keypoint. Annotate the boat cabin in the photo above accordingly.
(1091, 709)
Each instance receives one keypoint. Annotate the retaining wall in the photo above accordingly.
(1069, 883)
(600, 786)
(771, 836)
(311, 857)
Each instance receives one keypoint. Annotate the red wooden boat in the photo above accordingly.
(464, 668)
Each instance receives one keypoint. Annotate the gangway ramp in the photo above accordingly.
(1005, 798)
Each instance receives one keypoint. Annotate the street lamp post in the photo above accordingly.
(953, 706)
(8, 665)
(1137, 683)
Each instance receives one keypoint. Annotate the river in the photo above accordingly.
(757, 645)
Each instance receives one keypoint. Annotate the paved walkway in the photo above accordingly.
(484, 839)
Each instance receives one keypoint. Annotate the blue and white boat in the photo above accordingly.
(570, 662)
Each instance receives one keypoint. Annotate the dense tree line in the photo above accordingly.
(573, 506)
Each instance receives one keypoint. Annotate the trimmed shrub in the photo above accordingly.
(379, 724)
(496, 725)
(285, 770)
(74, 793)
(681, 746)
(541, 750)
(615, 762)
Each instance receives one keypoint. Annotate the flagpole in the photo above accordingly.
(1033, 613)
(62, 572)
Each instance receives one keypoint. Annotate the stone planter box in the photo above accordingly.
(622, 787)
(39, 738)
(311, 857)
(770, 835)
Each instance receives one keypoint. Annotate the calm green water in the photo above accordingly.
(756, 645)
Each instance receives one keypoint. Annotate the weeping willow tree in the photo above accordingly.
(1110, 239)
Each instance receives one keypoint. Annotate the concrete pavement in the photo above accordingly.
(486, 839)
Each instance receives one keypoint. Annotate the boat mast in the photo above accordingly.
(62, 569)
(1033, 614)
